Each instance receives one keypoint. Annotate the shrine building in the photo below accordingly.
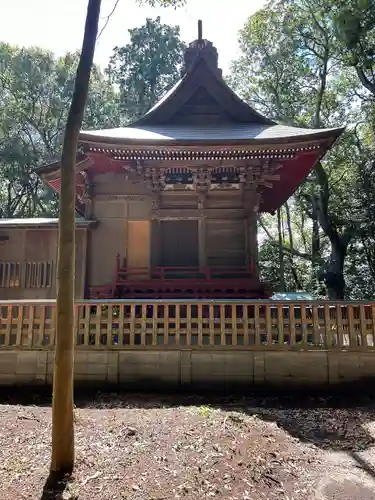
(167, 207)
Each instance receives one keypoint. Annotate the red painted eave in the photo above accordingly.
(292, 174)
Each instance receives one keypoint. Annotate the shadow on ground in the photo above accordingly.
(335, 422)
(56, 486)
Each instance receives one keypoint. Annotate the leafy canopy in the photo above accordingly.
(303, 63)
(147, 66)
(35, 93)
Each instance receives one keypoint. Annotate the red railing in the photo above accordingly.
(124, 274)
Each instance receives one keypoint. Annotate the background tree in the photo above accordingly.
(354, 21)
(35, 92)
(147, 66)
(293, 69)
(355, 29)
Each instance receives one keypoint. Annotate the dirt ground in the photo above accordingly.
(155, 447)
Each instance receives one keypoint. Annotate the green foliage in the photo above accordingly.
(163, 3)
(354, 23)
(35, 93)
(147, 66)
(311, 63)
(296, 270)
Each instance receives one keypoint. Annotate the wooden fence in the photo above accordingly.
(216, 324)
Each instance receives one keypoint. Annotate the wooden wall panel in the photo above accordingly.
(109, 209)
(138, 245)
(179, 243)
(155, 246)
(38, 246)
(224, 199)
(140, 210)
(107, 240)
(225, 242)
(80, 271)
(31, 248)
(13, 249)
(119, 184)
(41, 244)
(181, 199)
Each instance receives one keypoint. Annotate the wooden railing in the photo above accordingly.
(196, 324)
(124, 273)
(26, 274)
(187, 272)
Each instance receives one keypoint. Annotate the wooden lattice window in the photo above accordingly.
(10, 274)
(38, 274)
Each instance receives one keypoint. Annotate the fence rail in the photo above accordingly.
(195, 324)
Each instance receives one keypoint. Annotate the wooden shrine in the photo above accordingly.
(167, 207)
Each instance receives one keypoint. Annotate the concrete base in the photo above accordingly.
(192, 368)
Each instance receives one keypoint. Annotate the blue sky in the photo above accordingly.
(57, 25)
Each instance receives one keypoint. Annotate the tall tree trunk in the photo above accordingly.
(334, 273)
(62, 405)
(315, 237)
(281, 252)
(291, 244)
(315, 248)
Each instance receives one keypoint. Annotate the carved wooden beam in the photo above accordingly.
(85, 191)
(247, 177)
(253, 179)
(202, 184)
(156, 204)
(88, 186)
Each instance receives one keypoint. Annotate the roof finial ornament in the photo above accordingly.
(200, 48)
(200, 31)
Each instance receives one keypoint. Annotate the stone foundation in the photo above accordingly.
(192, 368)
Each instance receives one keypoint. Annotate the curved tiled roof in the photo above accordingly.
(204, 133)
(201, 76)
(201, 108)
(200, 117)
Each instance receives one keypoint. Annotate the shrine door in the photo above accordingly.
(179, 243)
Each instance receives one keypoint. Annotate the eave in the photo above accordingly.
(32, 223)
(46, 171)
(257, 138)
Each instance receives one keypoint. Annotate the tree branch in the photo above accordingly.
(285, 249)
(365, 81)
(108, 19)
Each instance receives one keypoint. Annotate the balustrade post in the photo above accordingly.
(253, 244)
(202, 243)
(251, 265)
(117, 266)
(207, 272)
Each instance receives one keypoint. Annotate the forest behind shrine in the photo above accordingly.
(302, 63)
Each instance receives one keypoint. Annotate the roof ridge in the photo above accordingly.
(173, 100)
